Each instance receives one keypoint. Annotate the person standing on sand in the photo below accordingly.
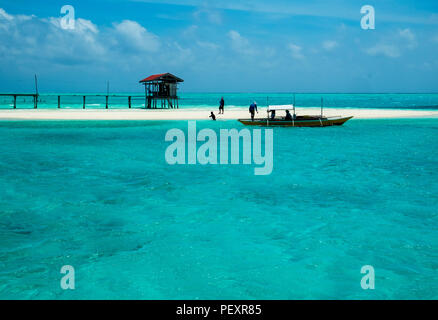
(253, 109)
(221, 105)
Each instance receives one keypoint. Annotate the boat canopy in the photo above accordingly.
(282, 107)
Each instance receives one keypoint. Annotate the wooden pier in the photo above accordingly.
(159, 89)
(15, 95)
(85, 97)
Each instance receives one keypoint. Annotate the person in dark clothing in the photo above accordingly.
(221, 105)
(288, 116)
(253, 110)
(212, 116)
(272, 114)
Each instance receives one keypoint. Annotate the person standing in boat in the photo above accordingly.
(253, 110)
(221, 106)
(272, 114)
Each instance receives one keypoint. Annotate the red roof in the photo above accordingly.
(156, 77)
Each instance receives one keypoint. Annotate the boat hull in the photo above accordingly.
(322, 122)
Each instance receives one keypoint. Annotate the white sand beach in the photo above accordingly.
(197, 114)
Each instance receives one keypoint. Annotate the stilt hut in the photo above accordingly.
(161, 91)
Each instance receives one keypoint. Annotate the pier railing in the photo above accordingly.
(121, 101)
(75, 101)
(14, 96)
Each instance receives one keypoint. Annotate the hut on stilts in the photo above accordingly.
(161, 91)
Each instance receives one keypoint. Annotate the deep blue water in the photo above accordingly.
(99, 196)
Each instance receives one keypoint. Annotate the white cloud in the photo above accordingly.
(79, 45)
(34, 40)
(190, 32)
(396, 45)
(86, 25)
(207, 45)
(240, 44)
(345, 10)
(43, 43)
(385, 50)
(329, 45)
(132, 34)
(296, 51)
(407, 34)
(213, 16)
(4, 15)
(409, 37)
(183, 55)
(82, 26)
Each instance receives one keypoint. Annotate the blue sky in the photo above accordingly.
(220, 46)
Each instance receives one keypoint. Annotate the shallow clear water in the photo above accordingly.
(238, 100)
(99, 196)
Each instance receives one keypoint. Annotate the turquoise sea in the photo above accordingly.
(99, 196)
(236, 100)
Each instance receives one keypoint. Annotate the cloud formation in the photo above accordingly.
(408, 38)
(133, 35)
(240, 44)
(329, 45)
(295, 51)
(387, 50)
(212, 15)
(44, 39)
(211, 48)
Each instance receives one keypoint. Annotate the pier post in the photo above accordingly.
(59, 102)
(129, 102)
(35, 103)
(15, 102)
(84, 103)
(106, 102)
(322, 106)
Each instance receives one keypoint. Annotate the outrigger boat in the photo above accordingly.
(296, 121)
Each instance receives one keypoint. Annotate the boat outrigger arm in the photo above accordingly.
(296, 121)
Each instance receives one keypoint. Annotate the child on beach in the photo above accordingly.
(212, 116)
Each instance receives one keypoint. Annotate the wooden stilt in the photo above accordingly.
(106, 107)
(84, 104)
(59, 102)
(15, 102)
(129, 102)
(147, 101)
